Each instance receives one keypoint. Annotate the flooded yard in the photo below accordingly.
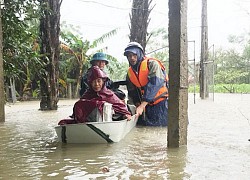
(218, 145)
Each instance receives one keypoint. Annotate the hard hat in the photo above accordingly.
(130, 47)
(94, 73)
(100, 56)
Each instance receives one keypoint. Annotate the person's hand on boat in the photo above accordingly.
(140, 109)
(128, 117)
(137, 104)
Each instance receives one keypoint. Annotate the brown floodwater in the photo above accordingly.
(218, 146)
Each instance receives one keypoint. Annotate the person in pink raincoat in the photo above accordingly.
(92, 101)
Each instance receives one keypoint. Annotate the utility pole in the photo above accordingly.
(178, 74)
(204, 52)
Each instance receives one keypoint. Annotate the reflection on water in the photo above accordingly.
(217, 146)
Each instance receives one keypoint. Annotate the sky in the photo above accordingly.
(97, 17)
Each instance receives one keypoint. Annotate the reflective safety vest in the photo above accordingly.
(140, 80)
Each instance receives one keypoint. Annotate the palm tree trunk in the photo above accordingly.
(2, 102)
(50, 50)
(139, 21)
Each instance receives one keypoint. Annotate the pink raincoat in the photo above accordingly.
(92, 100)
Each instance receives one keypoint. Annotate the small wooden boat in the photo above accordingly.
(95, 132)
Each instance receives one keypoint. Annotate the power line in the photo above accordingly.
(93, 24)
(94, 2)
(124, 9)
(156, 50)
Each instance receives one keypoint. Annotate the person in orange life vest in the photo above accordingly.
(93, 99)
(147, 86)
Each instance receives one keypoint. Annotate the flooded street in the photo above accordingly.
(218, 146)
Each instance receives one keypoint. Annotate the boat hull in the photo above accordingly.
(95, 132)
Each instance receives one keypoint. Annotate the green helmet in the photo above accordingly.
(100, 56)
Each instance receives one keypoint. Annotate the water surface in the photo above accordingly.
(218, 146)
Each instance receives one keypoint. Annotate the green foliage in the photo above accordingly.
(118, 71)
(223, 88)
(157, 45)
(231, 67)
(75, 54)
(246, 51)
(19, 36)
(73, 51)
(236, 39)
(76, 50)
(230, 76)
(21, 56)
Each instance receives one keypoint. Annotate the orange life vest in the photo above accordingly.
(140, 79)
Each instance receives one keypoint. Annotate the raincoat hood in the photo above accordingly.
(94, 73)
(139, 54)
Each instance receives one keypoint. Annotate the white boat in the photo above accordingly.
(95, 132)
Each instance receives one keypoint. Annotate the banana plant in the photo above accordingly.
(74, 58)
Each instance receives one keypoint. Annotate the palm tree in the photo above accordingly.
(50, 49)
(2, 102)
(139, 21)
